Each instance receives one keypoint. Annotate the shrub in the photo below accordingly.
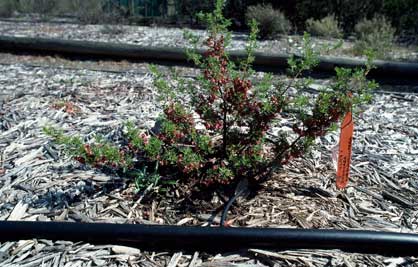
(326, 27)
(189, 8)
(7, 7)
(64, 7)
(44, 7)
(271, 21)
(346, 12)
(214, 131)
(89, 12)
(376, 34)
(403, 14)
(41, 7)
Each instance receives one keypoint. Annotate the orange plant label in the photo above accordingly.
(344, 154)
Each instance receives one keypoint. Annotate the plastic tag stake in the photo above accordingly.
(345, 148)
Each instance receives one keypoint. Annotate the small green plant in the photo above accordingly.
(220, 133)
(145, 179)
(271, 21)
(100, 153)
(376, 34)
(326, 27)
(67, 106)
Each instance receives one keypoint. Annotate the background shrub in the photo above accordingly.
(45, 7)
(42, 7)
(187, 9)
(347, 12)
(403, 14)
(90, 12)
(271, 21)
(326, 27)
(64, 7)
(95, 11)
(87, 11)
(7, 7)
(376, 34)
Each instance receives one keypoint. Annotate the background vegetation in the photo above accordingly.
(376, 34)
(272, 21)
(327, 27)
(401, 14)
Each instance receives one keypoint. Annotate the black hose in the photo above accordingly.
(227, 207)
(242, 187)
(169, 238)
(390, 72)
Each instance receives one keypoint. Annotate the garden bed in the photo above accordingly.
(173, 37)
(37, 183)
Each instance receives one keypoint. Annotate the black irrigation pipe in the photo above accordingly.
(402, 90)
(210, 239)
(62, 20)
(386, 71)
